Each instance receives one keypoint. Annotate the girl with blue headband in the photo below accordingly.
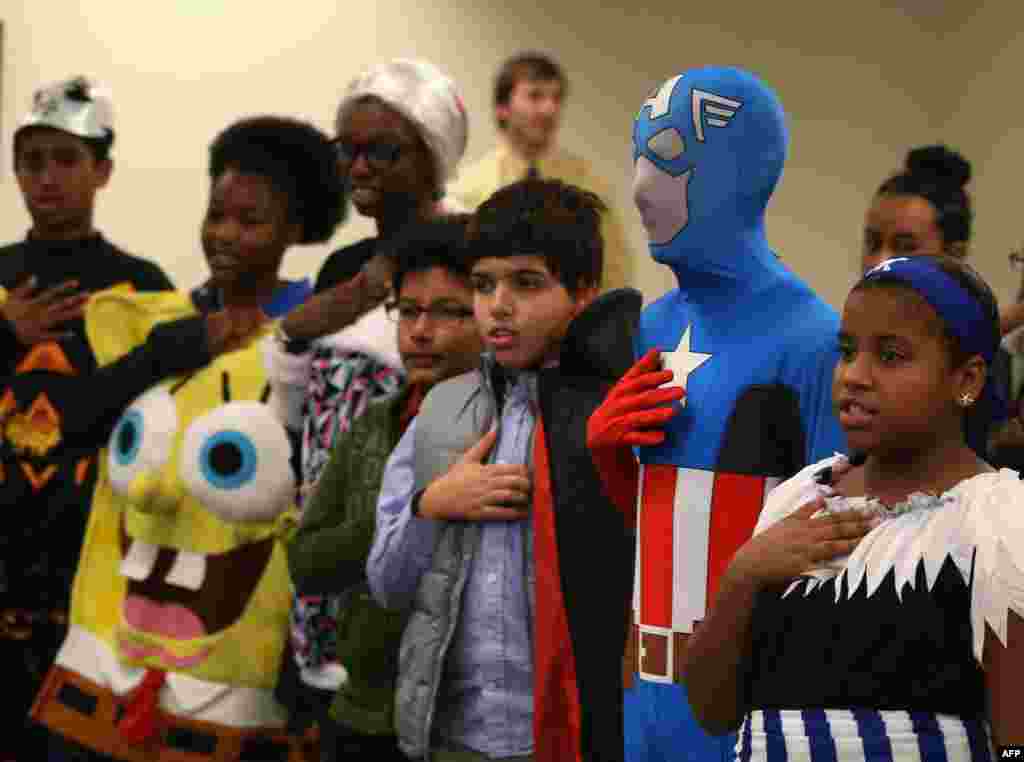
(876, 613)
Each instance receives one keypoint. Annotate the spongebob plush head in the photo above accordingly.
(183, 568)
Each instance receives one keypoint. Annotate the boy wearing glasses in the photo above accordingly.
(400, 133)
(437, 339)
(530, 91)
(493, 531)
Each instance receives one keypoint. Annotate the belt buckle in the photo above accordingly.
(656, 653)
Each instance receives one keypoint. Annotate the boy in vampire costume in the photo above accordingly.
(754, 349)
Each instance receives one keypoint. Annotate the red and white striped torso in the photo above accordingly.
(690, 523)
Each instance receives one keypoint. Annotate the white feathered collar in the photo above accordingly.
(979, 524)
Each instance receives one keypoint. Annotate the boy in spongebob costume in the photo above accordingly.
(180, 605)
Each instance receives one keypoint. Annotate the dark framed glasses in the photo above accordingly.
(379, 154)
(443, 314)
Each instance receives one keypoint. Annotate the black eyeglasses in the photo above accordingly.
(442, 314)
(379, 154)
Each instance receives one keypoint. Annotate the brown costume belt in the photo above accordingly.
(88, 713)
(654, 656)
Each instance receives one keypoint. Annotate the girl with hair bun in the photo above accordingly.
(925, 210)
(922, 210)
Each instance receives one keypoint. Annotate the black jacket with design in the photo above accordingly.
(57, 409)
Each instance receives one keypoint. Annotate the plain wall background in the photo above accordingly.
(985, 113)
(862, 82)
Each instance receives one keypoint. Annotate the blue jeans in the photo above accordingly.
(660, 727)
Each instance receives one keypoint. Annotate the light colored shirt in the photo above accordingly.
(502, 166)
(485, 702)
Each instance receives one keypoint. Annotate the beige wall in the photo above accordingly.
(985, 119)
(857, 79)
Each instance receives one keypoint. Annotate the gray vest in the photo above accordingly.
(453, 417)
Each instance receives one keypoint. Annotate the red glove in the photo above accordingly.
(633, 414)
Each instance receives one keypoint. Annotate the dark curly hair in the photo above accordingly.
(297, 159)
(549, 218)
(437, 242)
(938, 175)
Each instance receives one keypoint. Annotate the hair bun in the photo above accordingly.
(941, 163)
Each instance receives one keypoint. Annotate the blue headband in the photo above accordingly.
(959, 310)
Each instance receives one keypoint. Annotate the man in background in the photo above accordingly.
(529, 94)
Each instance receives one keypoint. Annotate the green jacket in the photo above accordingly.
(328, 555)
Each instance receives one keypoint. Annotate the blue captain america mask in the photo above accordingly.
(708, 146)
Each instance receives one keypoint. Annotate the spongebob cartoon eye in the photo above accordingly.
(667, 144)
(236, 461)
(143, 438)
(228, 460)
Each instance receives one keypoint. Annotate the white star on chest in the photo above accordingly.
(682, 362)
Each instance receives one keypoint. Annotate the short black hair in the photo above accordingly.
(548, 218)
(938, 175)
(297, 159)
(530, 66)
(972, 282)
(438, 242)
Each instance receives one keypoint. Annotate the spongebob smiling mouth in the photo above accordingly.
(178, 602)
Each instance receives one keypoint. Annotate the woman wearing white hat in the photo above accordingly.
(401, 130)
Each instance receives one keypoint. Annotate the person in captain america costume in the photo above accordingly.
(754, 349)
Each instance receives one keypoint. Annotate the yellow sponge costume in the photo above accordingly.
(180, 605)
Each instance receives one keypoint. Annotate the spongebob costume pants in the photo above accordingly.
(754, 348)
(179, 607)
